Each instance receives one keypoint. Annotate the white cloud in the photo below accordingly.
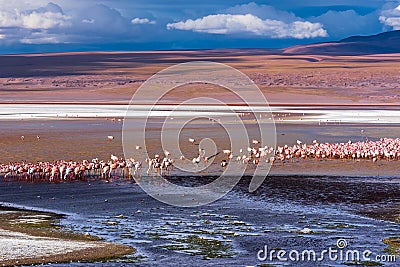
(46, 20)
(393, 22)
(8, 19)
(90, 21)
(34, 26)
(391, 18)
(22, 4)
(248, 23)
(47, 17)
(263, 12)
(43, 38)
(42, 24)
(101, 23)
(142, 21)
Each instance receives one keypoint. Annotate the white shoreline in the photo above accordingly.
(298, 114)
(15, 246)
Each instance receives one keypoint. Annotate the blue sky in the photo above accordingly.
(83, 25)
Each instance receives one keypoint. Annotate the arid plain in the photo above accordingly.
(283, 78)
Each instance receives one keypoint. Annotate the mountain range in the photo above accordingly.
(383, 43)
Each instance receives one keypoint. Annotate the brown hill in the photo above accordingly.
(383, 43)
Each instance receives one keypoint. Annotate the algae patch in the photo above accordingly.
(195, 245)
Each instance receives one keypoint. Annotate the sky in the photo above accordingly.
(132, 25)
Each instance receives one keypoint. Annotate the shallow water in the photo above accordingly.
(80, 139)
(229, 231)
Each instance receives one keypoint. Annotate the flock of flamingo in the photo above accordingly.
(383, 149)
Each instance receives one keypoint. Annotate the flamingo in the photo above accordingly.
(54, 172)
(197, 160)
(114, 158)
(166, 166)
(226, 151)
(106, 172)
(137, 166)
(156, 163)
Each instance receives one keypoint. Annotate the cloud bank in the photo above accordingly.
(341, 24)
(49, 24)
(248, 23)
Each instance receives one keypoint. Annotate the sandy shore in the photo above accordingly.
(22, 249)
(28, 237)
